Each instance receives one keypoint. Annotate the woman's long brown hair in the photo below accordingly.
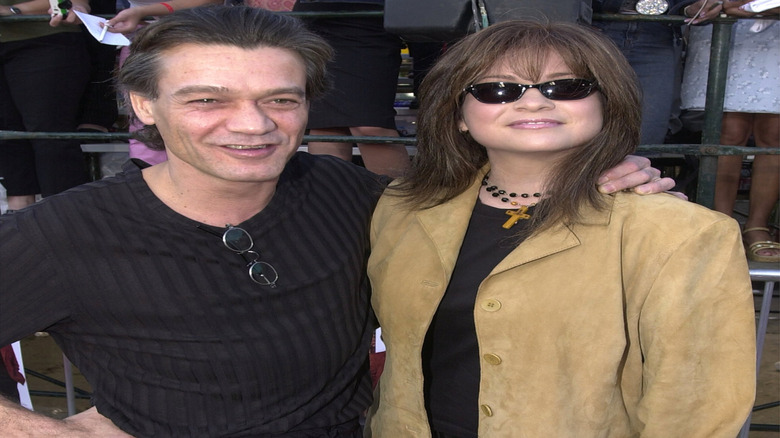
(448, 161)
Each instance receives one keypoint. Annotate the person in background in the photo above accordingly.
(364, 74)
(514, 297)
(654, 50)
(99, 106)
(751, 109)
(43, 73)
(222, 292)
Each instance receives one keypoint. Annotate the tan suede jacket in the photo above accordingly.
(638, 322)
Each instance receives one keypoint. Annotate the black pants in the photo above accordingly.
(42, 81)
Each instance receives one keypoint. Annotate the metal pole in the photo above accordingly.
(713, 113)
(70, 392)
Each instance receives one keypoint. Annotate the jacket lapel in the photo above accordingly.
(446, 224)
(556, 239)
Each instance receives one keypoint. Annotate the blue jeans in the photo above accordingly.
(654, 52)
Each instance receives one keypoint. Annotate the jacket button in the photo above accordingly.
(492, 359)
(486, 410)
(490, 305)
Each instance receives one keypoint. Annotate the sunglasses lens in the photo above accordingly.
(263, 273)
(567, 89)
(503, 92)
(496, 92)
(237, 239)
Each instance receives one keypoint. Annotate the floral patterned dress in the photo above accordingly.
(753, 79)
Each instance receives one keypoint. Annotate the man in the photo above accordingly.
(223, 292)
(654, 50)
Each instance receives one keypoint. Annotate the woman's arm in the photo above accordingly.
(32, 7)
(127, 20)
(697, 337)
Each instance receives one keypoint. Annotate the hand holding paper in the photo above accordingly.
(93, 25)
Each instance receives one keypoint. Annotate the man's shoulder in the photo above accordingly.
(332, 170)
(305, 159)
(93, 197)
(330, 183)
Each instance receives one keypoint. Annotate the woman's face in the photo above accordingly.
(532, 124)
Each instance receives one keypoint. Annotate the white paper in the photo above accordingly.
(24, 390)
(92, 24)
(380, 343)
(760, 5)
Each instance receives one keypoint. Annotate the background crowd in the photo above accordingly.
(670, 60)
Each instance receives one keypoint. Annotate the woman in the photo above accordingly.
(364, 75)
(43, 73)
(751, 108)
(654, 51)
(514, 298)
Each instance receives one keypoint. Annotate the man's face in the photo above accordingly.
(226, 114)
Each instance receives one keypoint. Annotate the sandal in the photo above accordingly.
(753, 249)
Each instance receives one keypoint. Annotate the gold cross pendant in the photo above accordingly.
(516, 215)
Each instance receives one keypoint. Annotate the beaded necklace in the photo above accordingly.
(509, 198)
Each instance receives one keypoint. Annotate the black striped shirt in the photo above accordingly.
(165, 323)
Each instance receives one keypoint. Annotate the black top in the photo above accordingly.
(165, 323)
(451, 352)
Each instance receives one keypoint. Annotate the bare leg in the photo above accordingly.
(340, 150)
(727, 183)
(19, 202)
(384, 159)
(765, 181)
(91, 127)
(735, 131)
